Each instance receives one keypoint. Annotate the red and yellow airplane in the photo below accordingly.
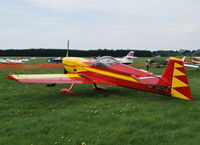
(107, 70)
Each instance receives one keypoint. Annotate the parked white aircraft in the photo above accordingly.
(3, 60)
(197, 65)
(14, 61)
(196, 60)
(54, 60)
(128, 59)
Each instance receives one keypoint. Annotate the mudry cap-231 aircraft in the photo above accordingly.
(109, 71)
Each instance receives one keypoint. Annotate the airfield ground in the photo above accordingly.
(33, 114)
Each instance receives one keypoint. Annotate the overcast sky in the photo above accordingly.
(92, 24)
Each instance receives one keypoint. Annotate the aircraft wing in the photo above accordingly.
(51, 78)
(190, 65)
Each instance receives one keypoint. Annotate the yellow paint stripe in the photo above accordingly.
(44, 76)
(174, 58)
(177, 83)
(177, 94)
(110, 74)
(178, 73)
(176, 65)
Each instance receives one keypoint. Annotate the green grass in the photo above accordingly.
(39, 115)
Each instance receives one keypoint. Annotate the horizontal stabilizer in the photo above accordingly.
(147, 79)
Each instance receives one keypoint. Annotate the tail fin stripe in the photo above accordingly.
(181, 69)
(184, 91)
(178, 94)
(183, 79)
(178, 83)
(177, 65)
(178, 73)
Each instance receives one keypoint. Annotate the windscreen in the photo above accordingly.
(105, 61)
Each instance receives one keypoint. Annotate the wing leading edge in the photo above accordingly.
(58, 79)
(50, 78)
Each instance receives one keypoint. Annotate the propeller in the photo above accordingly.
(65, 72)
(67, 55)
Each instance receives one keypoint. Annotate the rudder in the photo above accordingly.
(175, 75)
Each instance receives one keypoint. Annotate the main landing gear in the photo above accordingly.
(98, 87)
(69, 90)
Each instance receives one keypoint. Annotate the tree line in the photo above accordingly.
(99, 52)
(73, 53)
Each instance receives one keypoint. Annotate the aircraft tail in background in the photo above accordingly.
(130, 54)
(128, 59)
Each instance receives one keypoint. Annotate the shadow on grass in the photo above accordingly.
(41, 93)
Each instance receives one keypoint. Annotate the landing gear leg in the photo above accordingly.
(69, 90)
(65, 72)
(98, 87)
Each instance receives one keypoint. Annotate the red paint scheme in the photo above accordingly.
(122, 83)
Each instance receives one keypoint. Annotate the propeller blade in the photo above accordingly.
(67, 54)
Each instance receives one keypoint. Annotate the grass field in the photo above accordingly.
(33, 114)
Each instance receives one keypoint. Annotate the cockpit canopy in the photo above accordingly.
(105, 61)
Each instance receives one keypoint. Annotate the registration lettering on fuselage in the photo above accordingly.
(160, 88)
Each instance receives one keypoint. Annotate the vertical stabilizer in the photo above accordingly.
(130, 54)
(175, 75)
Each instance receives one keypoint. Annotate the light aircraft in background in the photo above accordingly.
(196, 60)
(196, 65)
(107, 70)
(2, 60)
(54, 60)
(16, 61)
(128, 59)
(11, 61)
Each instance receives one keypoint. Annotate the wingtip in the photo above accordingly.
(11, 77)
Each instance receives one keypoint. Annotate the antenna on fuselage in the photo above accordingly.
(67, 54)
